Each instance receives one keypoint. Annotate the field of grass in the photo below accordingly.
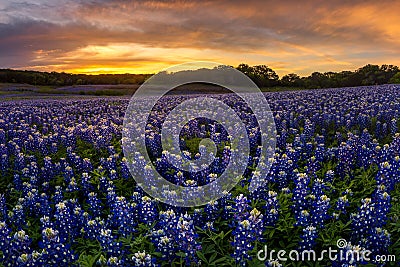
(110, 90)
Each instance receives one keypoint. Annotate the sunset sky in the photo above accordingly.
(81, 36)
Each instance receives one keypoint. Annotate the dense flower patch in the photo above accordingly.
(67, 197)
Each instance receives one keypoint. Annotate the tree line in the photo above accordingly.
(262, 75)
(66, 79)
(370, 74)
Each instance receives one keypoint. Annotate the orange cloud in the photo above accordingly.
(146, 36)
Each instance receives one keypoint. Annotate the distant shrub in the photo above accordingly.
(106, 93)
(395, 78)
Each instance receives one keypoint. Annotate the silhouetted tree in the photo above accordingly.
(291, 79)
(261, 75)
(395, 78)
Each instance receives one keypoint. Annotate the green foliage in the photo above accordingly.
(216, 245)
(62, 79)
(395, 78)
(367, 75)
(262, 75)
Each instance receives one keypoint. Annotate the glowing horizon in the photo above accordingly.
(143, 37)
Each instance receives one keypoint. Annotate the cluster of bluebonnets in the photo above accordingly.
(67, 197)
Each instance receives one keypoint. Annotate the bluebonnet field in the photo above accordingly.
(67, 197)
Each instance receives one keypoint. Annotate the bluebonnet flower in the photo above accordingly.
(103, 182)
(187, 238)
(241, 208)
(122, 216)
(64, 220)
(111, 195)
(91, 228)
(387, 175)
(379, 241)
(245, 234)
(58, 195)
(395, 164)
(142, 259)
(345, 156)
(125, 174)
(300, 203)
(393, 126)
(87, 165)
(3, 163)
(227, 212)
(55, 252)
(342, 203)
(17, 181)
(209, 226)
(19, 244)
(26, 187)
(164, 238)
(111, 261)
(33, 259)
(176, 234)
(190, 183)
(308, 130)
(5, 239)
(164, 244)
(31, 201)
(319, 211)
(113, 175)
(147, 210)
(2, 136)
(3, 207)
(46, 222)
(369, 221)
(137, 196)
(271, 209)
(108, 243)
(286, 190)
(384, 154)
(19, 162)
(198, 217)
(313, 165)
(225, 203)
(308, 238)
(49, 167)
(17, 216)
(211, 210)
(320, 153)
(95, 205)
(307, 149)
(318, 187)
(53, 148)
(68, 174)
(72, 186)
(86, 186)
(350, 255)
(303, 218)
(382, 206)
(282, 179)
(363, 220)
(114, 261)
